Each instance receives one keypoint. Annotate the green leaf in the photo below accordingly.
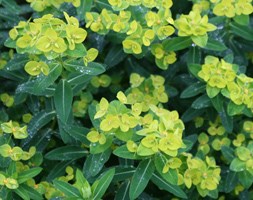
(77, 78)
(173, 189)
(230, 181)
(191, 113)
(194, 69)
(141, 178)
(123, 191)
(171, 175)
(228, 153)
(233, 109)
(38, 121)
(100, 186)
(40, 84)
(237, 165)
(77, 132)
(212, 91)
(67, 189)
(99, 148)
(177, 43)
(95, 162)
(78, 52)
(123, 152)
(200, 41)
(20, 191)
(66, 153)
(245, 32)
(28, 174)
(227, 121)
(217, 102)
(58, 170)
(17, 62)
(194, 55)
(123, 173)
(33, 194)
(85, 6)
(82, 184)
(93, 68)
(245, 178)
(115, 56)
(63, 100)
(242, 19)
(193, 90)
(201, 102)
(215, 45)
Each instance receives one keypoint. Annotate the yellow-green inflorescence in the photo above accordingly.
(40, 5)
(50, 37)
(139, 120)
(223, 77)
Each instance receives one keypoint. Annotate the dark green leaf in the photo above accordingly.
(38, 121)
(215, 45)
(100, 186)
(17, 62)
(141, 178)
(193, 90)
(162, 184)
(93, 68)
(194, 55)
(123, 173)
(227, 121)
(114, 56)
(99, 148)
(78, 52)
(33, 194)
(58, 170)
(245, 32)
(83, 8)
(67, 189)
(20, 191)
(245, 178)
(177, 43)
(191, 113)
(95, 162)
(77, 132)
(228, 153)
(66, 153)
(230, 181)
(201, 102)
(28, 174)
(123, 191)
(194, 69)
(217, 102)
(63, 100)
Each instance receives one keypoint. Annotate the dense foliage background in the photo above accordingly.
(126, 99)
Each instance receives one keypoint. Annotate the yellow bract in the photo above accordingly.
(34, 68)
(91, 55)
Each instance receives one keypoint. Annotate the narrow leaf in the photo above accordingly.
(28, 174)
(67, 188)
(63, 100)
(141, 178)
(178, 43)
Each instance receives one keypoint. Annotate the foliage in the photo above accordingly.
(126, 99)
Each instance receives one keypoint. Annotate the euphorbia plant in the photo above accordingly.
(126, 99)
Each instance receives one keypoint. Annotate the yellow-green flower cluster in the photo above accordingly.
(162, 58)
(201, 6)
(149, 91)
(244, 158)
(241, 91)
(204, 174)
(80, 106)
(231, 8)
(162, 132)
(16, 153)
(193, 24)
(14, 129)
(217, 73)
(9, 182)
(7, 99)
(40, 5)
(138, 32)
(49, 36)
